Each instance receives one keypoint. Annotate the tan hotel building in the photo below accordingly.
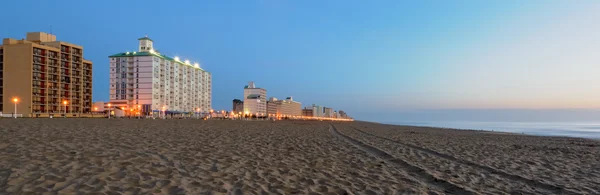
(43, 73)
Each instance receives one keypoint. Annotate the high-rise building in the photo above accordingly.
(328, 112)
(342, 114)
(46, 76)
(238, 106)
(255, 100)
(318, 111)
(152, 82)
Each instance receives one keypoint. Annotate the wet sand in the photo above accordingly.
(127, 156)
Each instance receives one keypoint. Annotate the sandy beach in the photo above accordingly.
(127, 156)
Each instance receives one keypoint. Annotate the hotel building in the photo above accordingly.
(328, 112)
(287, 107)
(149, 82)
(48, 77)
(255, 100)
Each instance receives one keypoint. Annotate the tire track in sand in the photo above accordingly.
(554, 189)
(413, 171)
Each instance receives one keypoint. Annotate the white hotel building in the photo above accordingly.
(151, 82)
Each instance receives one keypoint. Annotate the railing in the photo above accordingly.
(11, 115)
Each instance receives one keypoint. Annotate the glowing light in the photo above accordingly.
(96, 108)
(196, 65)
(108, 105)
(134, 52)
(176, 58)
(15, 100)
(126, 53)
(65, 102)
(187, 62)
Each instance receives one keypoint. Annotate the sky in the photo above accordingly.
(378, 60)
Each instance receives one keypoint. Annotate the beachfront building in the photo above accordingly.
(286, 107)
(318, 111)
(255, 100)
(273, 107)
(45, 77)
(307, 112)
(147, 82)
(342, 114)
(327, 112)
(238, 106)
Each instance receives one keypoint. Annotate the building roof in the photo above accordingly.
(135, 54)
(145, 38)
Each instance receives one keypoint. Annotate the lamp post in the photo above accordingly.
(65, 103)
(139, 111)
(197, 113)
(16, 101)
(108, 110)
(164, 112)
(95, 110)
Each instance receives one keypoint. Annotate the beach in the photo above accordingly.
(133, 156)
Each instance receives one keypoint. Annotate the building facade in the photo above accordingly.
(308, 112)
(46, 76)
(255, 100)
(318, 111)
(286, 107)
(148, 82)
(238, 106)
(328, 112)
(273, 107)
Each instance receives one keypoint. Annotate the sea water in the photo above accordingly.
(589, 130)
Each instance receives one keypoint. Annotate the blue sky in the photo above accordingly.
(367, 58)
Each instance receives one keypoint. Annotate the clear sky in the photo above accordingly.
(369, 58)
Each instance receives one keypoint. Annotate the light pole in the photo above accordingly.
(164, 112)
(95, 110)
(16, 101)
(139, 111)
(108, 110)
(65, 103)
(197, 113)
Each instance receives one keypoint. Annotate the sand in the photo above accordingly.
(129, 156)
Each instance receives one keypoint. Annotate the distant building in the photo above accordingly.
(273, 107)
(287, 107)
(255, 100)
(318, 111)
(290, 107)
(328, 112)
(99, 106)
(238, 106)
(308, 112)
(342, 114)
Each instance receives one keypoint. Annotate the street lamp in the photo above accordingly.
(65, 103)
(197, 113)
(16, 101)
(139, 111)
(164, 112)
(108, 110)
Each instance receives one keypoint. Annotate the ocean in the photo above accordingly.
(590, 130)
